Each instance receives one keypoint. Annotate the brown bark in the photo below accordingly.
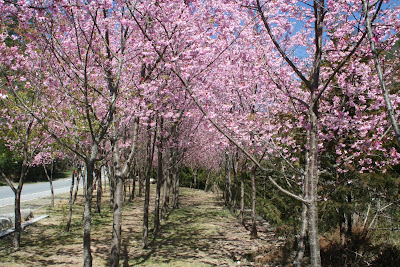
(71, 191)
(99, 190)
(150, 153)
(87, 214)
(17, 224)
(78, 179)
(18, 190)
(175, 188)
(120, 176)
(235, 180)
(228, 181)
(242, 198)
(50, 179)
(253, 232)
(141, 182)
(166, 189)
(160, 178)
(112, 186)
(175, 179)
(117, 218)
(302, 238)
(132, 194)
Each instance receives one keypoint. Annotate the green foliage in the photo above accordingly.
(186, 177)
(9, 161)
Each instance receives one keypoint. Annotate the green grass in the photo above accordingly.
(199, 233)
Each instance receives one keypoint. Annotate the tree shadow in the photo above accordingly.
(191, 233)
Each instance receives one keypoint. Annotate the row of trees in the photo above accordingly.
(293, 86)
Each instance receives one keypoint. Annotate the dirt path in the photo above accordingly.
(200, 233)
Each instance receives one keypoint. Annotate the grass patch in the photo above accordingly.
(200, 233)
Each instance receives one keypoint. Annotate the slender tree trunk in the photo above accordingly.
(313, 192)
(141, 182)
(349, 217)
(78, 180)
(103, 176)
(87, 214)
(99, 190)
(117, 219)
(124, 191)
(304, 214)
(253, 232)
(166, 189)
(228, 182)
(18, 220)
(207, 181)
(175, 179)
(84, 181)
(166, 192)
(50, 179)
(120, 176)
(160, 178)
(17, 191)
(71, 192)
(112, 187)
(235, 182)
(132, 195)
(242, 198)
(150, 152)
(343, 228)
(302, 239)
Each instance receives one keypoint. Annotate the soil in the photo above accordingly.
(202, 232)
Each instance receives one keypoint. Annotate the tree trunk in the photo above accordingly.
(71, 192)
(112, 186)
(18, 220)
(304, 214)
(87, 214)
(253, 232)
(242, 198)
(160, 178)
(343, 227)
(103, 175)
(99, 190)
(207, 181)
(175, 180)
(17, 191)
(50, 179)
(150, 152)
(84, 181)
(78, 180)
(117, 219)
(313, 191)
(120, 176)
(166, 192)
(235, 180)
(228, 182)
(175, 187)
(349, 217)
(166, 189)
(132, 195)
(124, 191)
(141, 182)
(302, 239)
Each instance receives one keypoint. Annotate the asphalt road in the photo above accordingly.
(34, 191)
